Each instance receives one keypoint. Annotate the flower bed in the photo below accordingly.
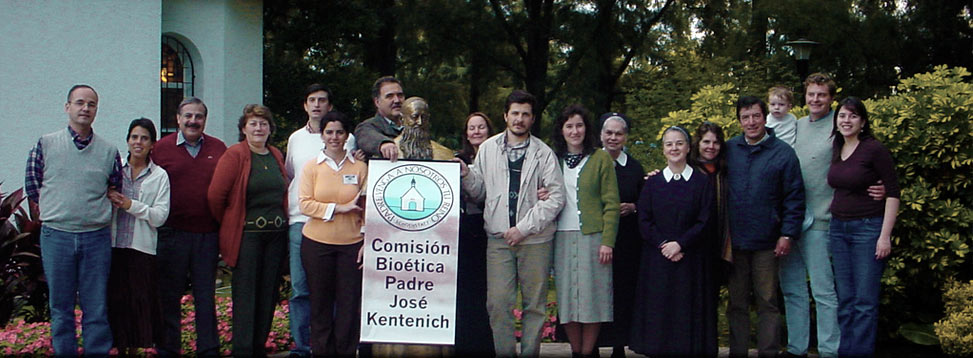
(21, 338)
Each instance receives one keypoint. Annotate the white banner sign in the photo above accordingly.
(411, 250)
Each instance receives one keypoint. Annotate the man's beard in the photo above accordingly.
(415, 143)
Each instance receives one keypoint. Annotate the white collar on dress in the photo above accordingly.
(622, 157)
(686, 173)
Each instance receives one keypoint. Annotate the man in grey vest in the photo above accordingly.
(69, 174)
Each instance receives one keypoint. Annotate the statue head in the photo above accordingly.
(415, 113)
(415, 140)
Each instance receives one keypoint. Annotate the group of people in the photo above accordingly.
(786, 203)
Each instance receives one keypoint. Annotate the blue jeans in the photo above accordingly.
(76, 265)
(810, 257)
(858, 279)
(300, 305)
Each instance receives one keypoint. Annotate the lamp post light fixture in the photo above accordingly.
(802, 53)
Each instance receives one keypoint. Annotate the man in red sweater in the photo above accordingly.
(188, 242)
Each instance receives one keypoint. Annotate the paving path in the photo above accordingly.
(564, 350)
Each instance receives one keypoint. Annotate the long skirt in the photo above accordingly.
(584, 285)
(133, 306)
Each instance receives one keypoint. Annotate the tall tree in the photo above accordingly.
(530, 33)
(623, 30)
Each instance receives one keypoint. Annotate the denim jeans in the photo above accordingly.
(300, 306)
(182, 256)
(858, 279)
(810, 257)
(528, 266)
(77, 265)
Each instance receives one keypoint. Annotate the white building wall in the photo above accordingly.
(50, 45)
(228, 35)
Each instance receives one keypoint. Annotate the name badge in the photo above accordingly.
(349, 179)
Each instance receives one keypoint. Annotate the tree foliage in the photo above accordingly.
(646, 56)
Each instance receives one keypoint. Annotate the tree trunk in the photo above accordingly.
(758, 28)
(539, 20)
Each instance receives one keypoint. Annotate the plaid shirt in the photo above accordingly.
(35, 167)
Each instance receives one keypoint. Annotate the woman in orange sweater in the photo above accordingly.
(330, 189)
(248, 194)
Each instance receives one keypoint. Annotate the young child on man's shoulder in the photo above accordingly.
(781, 100)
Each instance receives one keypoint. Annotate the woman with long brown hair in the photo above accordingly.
(861, 227)
(473, 334)
(586, 230)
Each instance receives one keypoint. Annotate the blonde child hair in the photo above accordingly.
(780, 92)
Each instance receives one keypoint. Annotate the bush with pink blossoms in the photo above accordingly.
(20, 338)
(278, 340)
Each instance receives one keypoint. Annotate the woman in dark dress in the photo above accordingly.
(628, 242)
(675, 307)
(473, 335)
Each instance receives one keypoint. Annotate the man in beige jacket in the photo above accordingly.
(506, 174)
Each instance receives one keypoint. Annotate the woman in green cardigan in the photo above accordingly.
(586, 231)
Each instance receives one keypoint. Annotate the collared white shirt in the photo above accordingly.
(329, 211)
(686, 173)
(303, 146)
(331, 163)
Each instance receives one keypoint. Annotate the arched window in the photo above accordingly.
(176, 79)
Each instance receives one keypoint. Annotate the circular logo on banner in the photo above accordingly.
(412, 197)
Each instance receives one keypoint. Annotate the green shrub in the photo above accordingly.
(955, 331)
(927, 126)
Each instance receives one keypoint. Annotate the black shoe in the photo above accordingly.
(618, 352)
(786, 354)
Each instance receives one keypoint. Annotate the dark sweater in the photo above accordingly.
(227, 195)
(189, 178)
(850, 178)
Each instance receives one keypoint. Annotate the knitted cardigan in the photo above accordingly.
(227, 196)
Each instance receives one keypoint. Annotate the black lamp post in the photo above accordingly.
(802, 52)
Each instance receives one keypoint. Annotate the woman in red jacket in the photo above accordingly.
(248, 195)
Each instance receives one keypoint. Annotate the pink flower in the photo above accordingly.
(518, 313)
(548, 332)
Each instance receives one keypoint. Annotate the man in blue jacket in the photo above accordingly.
(766, 207)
